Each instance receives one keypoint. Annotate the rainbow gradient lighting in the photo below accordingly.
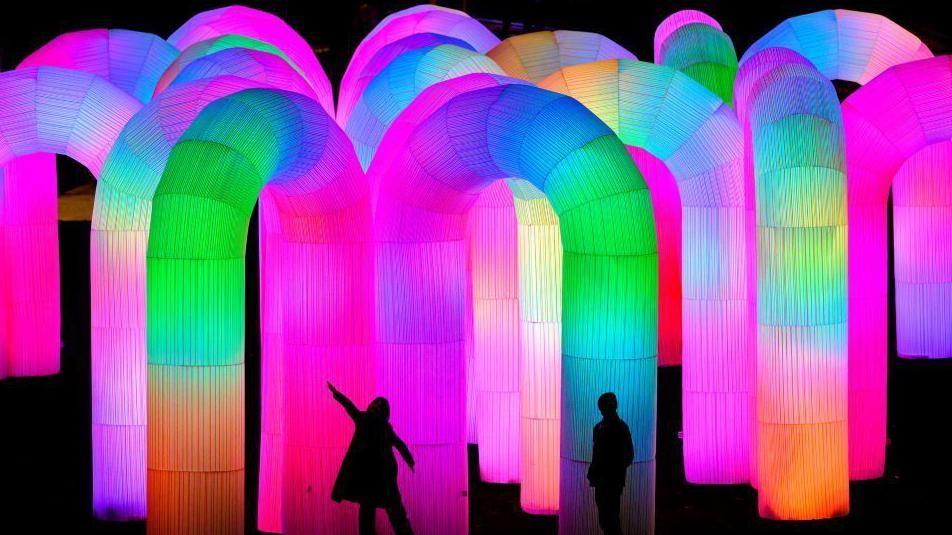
(801, 372)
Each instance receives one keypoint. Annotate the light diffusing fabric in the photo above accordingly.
(534, 56)
(696, 135)
(796, 148)
(424, 196)
(700, 50)
(195, 312)
(888, 120)
(922, 219)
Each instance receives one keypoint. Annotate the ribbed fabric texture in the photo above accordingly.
(922, 219)
(886, 121)
(844, 44)
(540, 299)
(703, 52)
(696, 135)
(534, 56)
(56, 111)
(797, 150)
(263, 27)
(195, 309)
(421, 19)
(493, 240)
(494, 133)
(397, 84)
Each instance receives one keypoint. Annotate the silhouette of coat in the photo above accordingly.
(612, 453)
(368, 473)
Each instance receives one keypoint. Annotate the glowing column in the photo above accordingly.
(922, 219)
(540, 300)
(797, 146)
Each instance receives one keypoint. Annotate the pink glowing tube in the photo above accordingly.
(700, 49)
(58, 111)
(887, 121)
(922, 219)
(132, 61)
(425, 193)
(196, 464)
(856, 47)
(533, 56)
(415, 20)
(665, 113)
(263, 27)
(796, 146)
(493, 238)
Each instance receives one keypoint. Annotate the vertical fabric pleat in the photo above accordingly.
(797, 148)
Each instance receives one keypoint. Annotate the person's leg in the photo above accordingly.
(366, 517)
(398, 519)
(608, 501)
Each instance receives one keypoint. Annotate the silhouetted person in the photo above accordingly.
(368, 474)
(612, 454)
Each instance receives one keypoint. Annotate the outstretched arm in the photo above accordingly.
(348, 405)
(403, 450)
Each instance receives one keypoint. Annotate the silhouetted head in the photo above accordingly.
(608, 404)
(379, 408)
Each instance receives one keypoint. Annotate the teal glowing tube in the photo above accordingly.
(609, 305)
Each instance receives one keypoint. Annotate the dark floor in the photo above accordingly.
(45, 448)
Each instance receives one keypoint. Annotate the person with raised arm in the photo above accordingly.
(368, 473)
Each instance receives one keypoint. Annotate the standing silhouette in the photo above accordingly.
(612, 454)
(368, 473)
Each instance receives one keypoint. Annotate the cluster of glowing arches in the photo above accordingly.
(567, 215)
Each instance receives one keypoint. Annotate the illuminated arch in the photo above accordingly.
(381, 59)
(696, 136)
(795, 150)
(534, 56)
(58, 111)
(199, 220)
(132, 61)
(855, 46)
(395, 86)
(608, 343)
(921, 217)
(415, 20)
(119, 234)
(843, 44)
(887, 121)
(209, 54)
(700, 49)
(260, 26)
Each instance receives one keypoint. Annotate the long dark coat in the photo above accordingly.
(368, 473)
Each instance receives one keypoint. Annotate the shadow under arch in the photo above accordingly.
(299, 159)
(427, 183)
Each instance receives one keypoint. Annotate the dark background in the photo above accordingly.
(45, 469)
